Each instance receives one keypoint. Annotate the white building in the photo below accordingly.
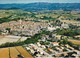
(54, 43)
(27, 48)
(43, 46)
(32, 51)
(51, 28)
(64, 25)
(38, 44)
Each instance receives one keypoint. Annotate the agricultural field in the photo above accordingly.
(23, 52)
(70, 21)
(14, 52)
(76, 42)
(13, 15)
(4, 52)
(10, 38)
(48, 15)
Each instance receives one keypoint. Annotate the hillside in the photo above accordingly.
(41, 6)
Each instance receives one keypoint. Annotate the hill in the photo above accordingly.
(42, 6)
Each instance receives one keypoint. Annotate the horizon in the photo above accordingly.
(37, 1)
(33, 2)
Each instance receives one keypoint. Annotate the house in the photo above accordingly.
(51, 28)
(35, 48)
(32, 51)
(64, 25)
(47, 46)
(64, 54)
(54, 43)
(71, 48)
(38, 44)
(75, 55)
(57, 55)
(50, 50)
(67, 45)
(62, 47)
(78, 36)
(38, 55)
(43, 39)
(43, 46)
(47, 37)
(56, 36)
(57, 27)
(31, 44)
(27, 48)
(46, 54)
(60, 50)
(78, 52)
(41, 52)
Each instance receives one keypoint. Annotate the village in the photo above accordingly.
(52, 50)
(41, 37)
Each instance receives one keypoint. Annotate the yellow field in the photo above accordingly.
(23, 52)
(77, 42)
(13, 52)
(69, 21)
(4, 53)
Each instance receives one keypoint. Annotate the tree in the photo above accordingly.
(8, 29)
(65, 41)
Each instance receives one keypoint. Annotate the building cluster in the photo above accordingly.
(22, 27)
(52, 28)
(54, 49)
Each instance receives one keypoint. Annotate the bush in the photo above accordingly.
(12, 44)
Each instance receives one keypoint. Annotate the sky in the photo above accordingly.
(33, 1)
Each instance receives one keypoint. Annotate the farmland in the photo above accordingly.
(4, 53)
(23, 52)
(10, 38)
(14, 52)
(77, 42)
(42, 29)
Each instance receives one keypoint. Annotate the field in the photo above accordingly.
(4, 53)
(77, 42)
(23, 52)
(13, 52)
(69, 21)
(10, 38)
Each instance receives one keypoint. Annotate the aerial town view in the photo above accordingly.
(39, 29)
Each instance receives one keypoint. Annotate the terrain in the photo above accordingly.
(43, 29)
(42, 6)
